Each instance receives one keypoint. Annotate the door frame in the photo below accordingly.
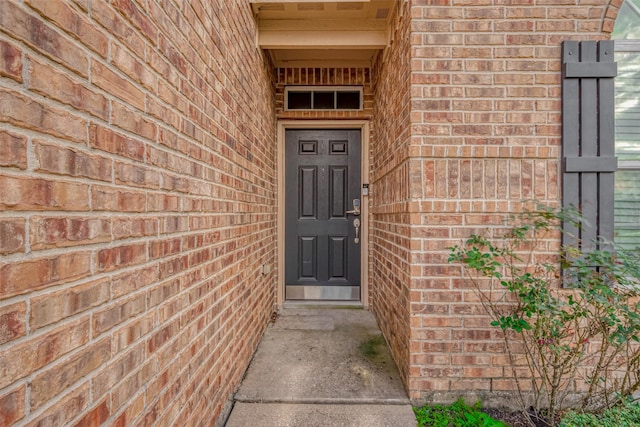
(282, 127)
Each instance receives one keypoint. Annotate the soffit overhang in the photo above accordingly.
(338, 33)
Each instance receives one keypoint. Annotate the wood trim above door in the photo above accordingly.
(282, 126)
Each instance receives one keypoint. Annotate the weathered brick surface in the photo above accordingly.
(137, 193)
(12, 406)
(481, 134)
(13, 321)
(10, 61)
(12, 235)
(390, 231)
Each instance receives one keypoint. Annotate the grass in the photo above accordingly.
(458, 414)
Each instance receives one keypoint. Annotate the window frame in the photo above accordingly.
(626, 46)
(623, 45)
(334, 89)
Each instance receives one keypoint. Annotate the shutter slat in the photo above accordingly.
(570, 139)
(590, 164)
(590, 69)
(607, 146)
(589, 147)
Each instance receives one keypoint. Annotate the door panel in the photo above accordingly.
(322, 179)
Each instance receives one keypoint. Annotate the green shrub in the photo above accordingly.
(573, 317)
(458, 414)
(626, 414)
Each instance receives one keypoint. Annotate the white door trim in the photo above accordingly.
(282, 126)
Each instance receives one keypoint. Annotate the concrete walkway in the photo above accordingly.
(322, 367)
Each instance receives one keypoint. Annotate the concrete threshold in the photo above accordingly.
(322, 366)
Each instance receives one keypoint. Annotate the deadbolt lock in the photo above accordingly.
(356, 207)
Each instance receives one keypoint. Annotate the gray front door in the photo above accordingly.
(322, 238)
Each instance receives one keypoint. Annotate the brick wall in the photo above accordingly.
(324, 77)
(390, 197)
(485, 121)
(137, 197)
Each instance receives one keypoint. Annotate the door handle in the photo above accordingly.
(356, 225)
(356, 207)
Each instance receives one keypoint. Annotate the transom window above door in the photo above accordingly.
(323, 98)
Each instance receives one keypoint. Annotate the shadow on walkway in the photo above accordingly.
(322, 367)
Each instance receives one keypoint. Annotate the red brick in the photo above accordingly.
(432, 26)
(83, 4)
(530, 65)
(21, 193)
(131, 332)
(55, 306)
(10, 61)
(164, 248)
(160, 382)
(12, 235)
(13, 321)
(163, 292)
(124, 227)
(172, 96)
(21, 360)
(51, 232)
(116, 200)
(132, 67)
(112, 315)
(129, 9)
(526, 12)
(117, 85)
(129, 282)
(24, 276)
(69, 20)
(13, 150)
(133, 384)
(131, 412)
(117, 370)
(68, 408)
(162, 203)
(12, 406)
(514, 52)
(118, 26)
(97, 416)
(473, 26)
(59, 377)
(484, 39)
(173, 54)
(120, 256)
(138, 176)
(52, 83)
(165, 114)
(133, 121)
(35, 32)
(161, 337)
(571, 12)
(482, 65)
(31, 114)
(112, 142)
(515, 26)
(173, 266)
(526, 39)
(168, 160)
(70, 161)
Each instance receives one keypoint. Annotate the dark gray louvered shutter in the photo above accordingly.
(588, 140)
